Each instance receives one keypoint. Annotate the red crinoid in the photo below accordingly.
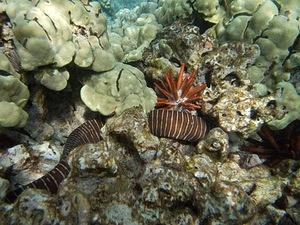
(276, 145)
(181, 94)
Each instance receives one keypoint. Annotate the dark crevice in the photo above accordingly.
(4, 73)
(249, 22)
(36, 20)
(37, 3)
(51, 21)
(287, 220)
(276, 4)
(94, 58)
(242, 14)
(117, 81)
(100, 43)
(292, 49)
(261, 35)
(177, 205)
(125, 141)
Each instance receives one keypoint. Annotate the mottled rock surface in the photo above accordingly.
(132, 177)
(226, 68)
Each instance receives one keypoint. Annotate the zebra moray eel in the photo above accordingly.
(177, 125)
(88, 132)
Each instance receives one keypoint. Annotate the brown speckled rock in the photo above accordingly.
(113, 182)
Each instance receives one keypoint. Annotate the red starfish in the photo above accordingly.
(180, 94)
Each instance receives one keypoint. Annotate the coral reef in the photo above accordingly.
(4, 185)
(38, 146)
(117, 90)
(167, 11)
(14, 96)
(131, 32)
(288, 100)
(216, 144)
(7, 44)
(144, 170)
(212, 11)
(32, 161)
(6, 66)
(230, 97)
(53, 79)
(106, 6)
(237, 110)
(53, 34)
(277, 35)
(161, 181)
(179, 42)
(88, 132)
(118, 5)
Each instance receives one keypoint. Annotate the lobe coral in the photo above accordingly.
(182, 94)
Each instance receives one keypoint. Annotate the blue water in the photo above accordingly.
(116, 5)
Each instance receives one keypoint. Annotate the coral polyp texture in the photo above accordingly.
(180, 42)
(13, 97)
(274, 32)
(52, 34)
(288, 101)
(117, 90)
(182, 94)
(131, 33)
(277, 35)
(276, 145)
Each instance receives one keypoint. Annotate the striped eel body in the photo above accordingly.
(88, 132)
(177, 125)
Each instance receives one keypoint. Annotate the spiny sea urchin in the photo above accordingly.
(182, 94)
(276, 145)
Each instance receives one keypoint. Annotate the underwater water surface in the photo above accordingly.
(150, 112)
